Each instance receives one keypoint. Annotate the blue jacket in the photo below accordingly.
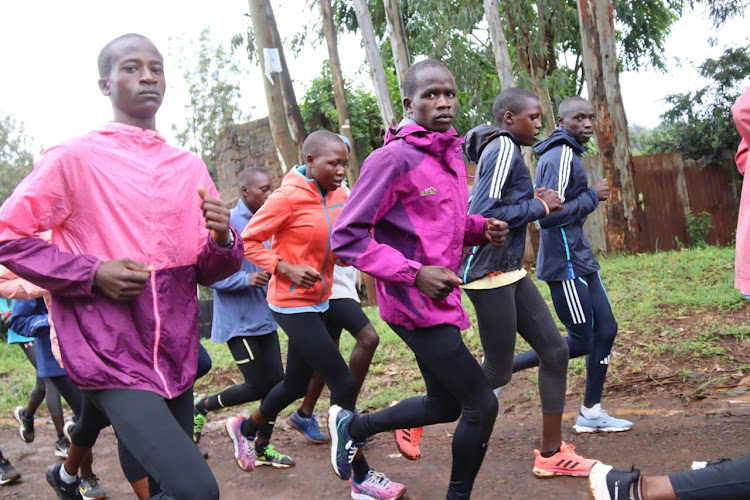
(239, 309)
(29, 318)
(564, 250)
(503, 190)
(13, 336)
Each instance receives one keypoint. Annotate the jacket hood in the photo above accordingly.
(559, 136)
(297, 177)
(435, 143)
(480, 136)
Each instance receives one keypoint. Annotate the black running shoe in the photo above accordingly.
(26, 423)
(8, 473)
(64, 490)
(608, 483)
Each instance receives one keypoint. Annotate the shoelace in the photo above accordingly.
(249, 448)
(271, 452)
(378, 478)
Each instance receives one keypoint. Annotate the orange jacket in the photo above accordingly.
(298, 219)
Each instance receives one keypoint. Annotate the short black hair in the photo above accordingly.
(317, 142)
(410, 79)
(105, 55)
(568, 103)
(250, 172)
(513, 100)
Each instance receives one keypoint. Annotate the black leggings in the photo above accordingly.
(311, 349)
(43, 386)
(158, 432)
(456, 387)
(88, 434)
(519, 307)
(259, 359)
(723, 481)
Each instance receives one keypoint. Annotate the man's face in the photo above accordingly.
(527, 123)
(256, 191)
(135, 83)
(433, 105)
(579, 121)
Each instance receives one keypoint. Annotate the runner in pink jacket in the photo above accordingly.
(741, 114)
(130, 243)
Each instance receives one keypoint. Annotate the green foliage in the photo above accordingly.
(700, 123)
(16, 159)
(698, 227)
(213, 77)
(319, 112)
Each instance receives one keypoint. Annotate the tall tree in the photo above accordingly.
(294, 117)
(277, 117)
(339, 89)
(376, 63)
(611, 129)
(399, 45)
(499, 44)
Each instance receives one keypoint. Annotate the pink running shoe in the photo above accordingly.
(407, 440)
(244, 447)
(563, 463)
(376, 486)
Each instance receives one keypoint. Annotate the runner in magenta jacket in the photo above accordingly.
(416, 179)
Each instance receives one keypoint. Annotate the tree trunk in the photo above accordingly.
(376, 63)
(397, 34)
(611, 129)
(339, 90)
(293, 114)
(277, 118)
(499, 44)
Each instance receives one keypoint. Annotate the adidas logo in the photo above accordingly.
(605, 361)
(567, 464)
(428, 191)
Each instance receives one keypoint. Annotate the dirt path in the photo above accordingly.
(667, 436)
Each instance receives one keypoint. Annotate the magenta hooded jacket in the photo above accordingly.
(114, 193)
(408, 209)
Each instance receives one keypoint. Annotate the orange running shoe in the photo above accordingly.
(563, 463)
(407, 440)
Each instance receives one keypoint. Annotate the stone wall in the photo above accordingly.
(241, 146)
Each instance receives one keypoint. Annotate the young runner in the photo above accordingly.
(406, 223)
(243, 320)
(130, 243)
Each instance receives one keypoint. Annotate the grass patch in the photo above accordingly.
(677, 312)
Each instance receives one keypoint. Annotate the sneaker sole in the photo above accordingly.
(272, 464)
(546, 474)
(334, 436)
(582, 429)
(100, 497)
(228, 427)
(11, 479)
(16, 413)
(365, 496)
(598, 482)
(61, 454)
(294, 426)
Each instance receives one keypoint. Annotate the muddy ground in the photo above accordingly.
(668, 434)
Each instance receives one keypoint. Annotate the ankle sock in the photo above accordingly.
(593, 412)
(248, 428)
(260, 448)
(67, 478)
(360, 468)
(303, 414)
(635, 490)
(548, 454)
(201, 407)
(355, 431)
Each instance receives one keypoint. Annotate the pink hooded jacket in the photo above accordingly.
(118, 192)
(741, 114)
